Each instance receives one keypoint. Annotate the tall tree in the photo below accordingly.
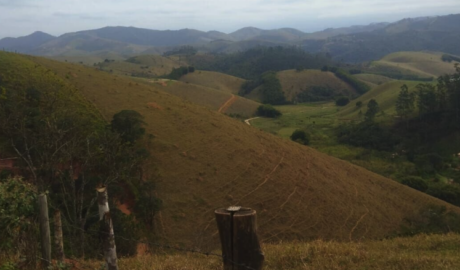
(405, 102)
(372, 110)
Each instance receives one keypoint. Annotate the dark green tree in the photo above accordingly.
(372, 110)
(427, 101)
(129, 124)
(405, 102)
(342, 101)
(301, 137)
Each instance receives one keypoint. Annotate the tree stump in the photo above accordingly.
(238, 235)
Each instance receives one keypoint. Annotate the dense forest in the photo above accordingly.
(252, 63)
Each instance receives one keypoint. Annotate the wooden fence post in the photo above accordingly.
(238, 236)
(107, 235)
(58, 240)
(44, 229)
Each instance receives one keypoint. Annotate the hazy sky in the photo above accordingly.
(22, 17)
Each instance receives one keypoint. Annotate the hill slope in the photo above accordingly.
(385, 95)
(294, 82)
(26, 44)
(423, 64)
(204, 160)
(214, 80)
(434, 34)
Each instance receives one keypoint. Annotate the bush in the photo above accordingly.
(359, 104)
(415, 182)
(129, 124)
(448, 193)
(17, 214)
(342, 101)
(431, 220)
(301, 137)
(268, 111)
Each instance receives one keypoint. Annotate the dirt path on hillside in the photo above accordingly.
(247, 121)
(227, 104)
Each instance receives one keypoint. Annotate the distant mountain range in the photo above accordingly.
(349, 44)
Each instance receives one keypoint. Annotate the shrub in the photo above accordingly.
(268, 111)
(448, 193)
(342, 101)
(301, 137)
(129, 124)
(17, 213)
(415, 182)
(359, 104)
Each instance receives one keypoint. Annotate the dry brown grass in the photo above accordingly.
(423, 252)
(293, 81)
(214, 80)
(205, 160)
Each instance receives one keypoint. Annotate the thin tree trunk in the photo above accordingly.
(107, 234)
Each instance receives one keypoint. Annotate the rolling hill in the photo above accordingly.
(293, 82)
(214, 80)
(27, 43)
(373, 79)
(423, 64)
(141, 66)
(202, 160)
(439, 34)
(385, 95)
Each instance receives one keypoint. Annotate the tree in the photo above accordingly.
(268, 111)
(301, 137)
(427, 101)
(271, 89)
(359, 104)
(129, 124)
(372, 110)
(405, 102)
(342, 101)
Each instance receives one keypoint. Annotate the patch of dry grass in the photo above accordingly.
(293, 82)
(423, 252)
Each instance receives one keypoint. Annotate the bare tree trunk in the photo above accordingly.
(107, 235)
(58, 240)
(44, 229)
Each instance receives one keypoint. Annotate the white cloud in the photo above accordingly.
(21, 17)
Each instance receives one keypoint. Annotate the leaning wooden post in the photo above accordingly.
(44, 229)
(58, 240)
(238, 236)
(107, 235)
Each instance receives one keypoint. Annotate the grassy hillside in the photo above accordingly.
(294, 82)
(423, 64)
(373, 79)
(206, 96)
(385, 95)
(203, 160)
(214, 80)
(141, 66)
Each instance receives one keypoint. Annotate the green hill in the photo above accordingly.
(214, 80)
(373, 79)
(422, 64)
(293, 82)
(385, 95)
(141, 66)
(202, 160)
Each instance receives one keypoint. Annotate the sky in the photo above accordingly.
(56, 17)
